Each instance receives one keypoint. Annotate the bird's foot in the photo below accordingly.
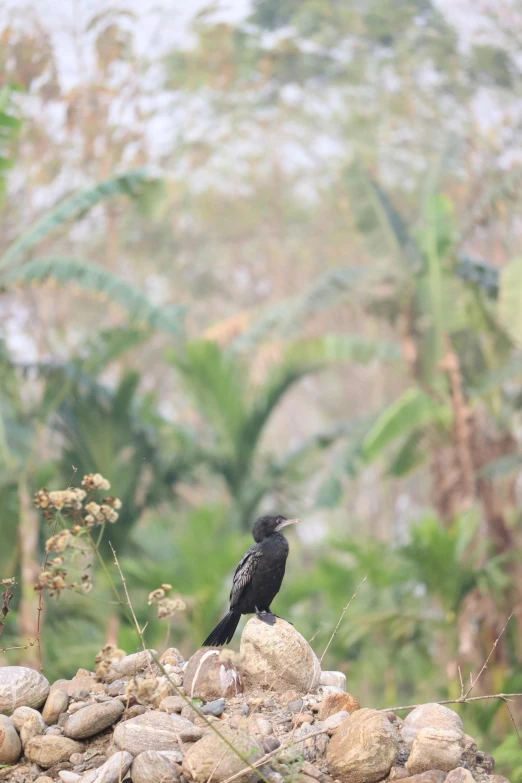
(266, 617)
(283, 618)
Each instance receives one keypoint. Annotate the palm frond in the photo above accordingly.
(285, 318)
(130, 183)
(94, 278)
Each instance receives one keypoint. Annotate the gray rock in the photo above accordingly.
(116, 688)
(295, 706)
(21, 687)
(49, 750)
(332, 722)
(363, 749)
(10, 745)
(431, 715)
(132, 665)
(212, 674)
(151, 731)
(212, 756)
(57, 702)
(191, 735)
(435, 748)
(154, 765)
(55, 730)
(172, 704)
(277, 658)
(93, 719)
(433, 776)
(309, 748)
(338, 679)
(258, 726)
(270, 744)
(113, 771)
(66, 776)
(189, 713)
(216, 707)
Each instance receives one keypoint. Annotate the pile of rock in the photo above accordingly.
(180, 721)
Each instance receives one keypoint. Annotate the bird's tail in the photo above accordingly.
(224, 631)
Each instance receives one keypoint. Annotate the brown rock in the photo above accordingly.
(398, 773)
(91, 720)
(288, 696)
(337, 679)
(333, 722)
(113, 770)
(460, 775)
(212, 756)
(310, 748)
(83, 682)
(44, 779)
(277, 658)
(432, 776)
(433, 716)
(50, 749)
(10, 745)
(21, 687)
(172, 704)
(335, 702)
(435, 748)
(191, 735)
(154, 765)
(28, 722)
(211, 674)
(171, 656)
(498, 779)
(57, 702)
(363, 749)
(151, 731)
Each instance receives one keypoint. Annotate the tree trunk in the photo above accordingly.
(30, 568)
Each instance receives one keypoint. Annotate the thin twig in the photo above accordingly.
(339, 621)
(129, 603)
(485, 664)
(23, 647)
(513, 722)
(466, 700)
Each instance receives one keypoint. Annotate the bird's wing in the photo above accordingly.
(244, 573)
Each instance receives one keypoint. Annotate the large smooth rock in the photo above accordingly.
(363, 749)
(337, 679)
(10, 745)
(151, 731)
(21, 687)
(211, 756)
(431, 715)
(92, 719)
(51, 749)
(57, 702)
(113, 771)
(156, 765)
(276, 657)
(460, 775)
(28, 722)
(211, 674)
(311, 748)
(435, 748)
(132, 665)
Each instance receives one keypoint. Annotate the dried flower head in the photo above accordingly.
(168, 607)
(144, 690)
(95, 481)
(59, 542)
(156, 595)
(105, 658)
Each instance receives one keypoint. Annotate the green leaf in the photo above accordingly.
(510, 299)
(503, 466)
(330, 493)
(130, 183)
(95, 279)
(408, 457)
(411, 411)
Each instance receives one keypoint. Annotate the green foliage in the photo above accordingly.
(510, 312)
(10, 125)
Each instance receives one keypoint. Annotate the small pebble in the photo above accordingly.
(116, 688)
(245, 709)
(296, 705)
(191, 735)
(302, 718)
(270, 744)
(188, 712)
(78, 705)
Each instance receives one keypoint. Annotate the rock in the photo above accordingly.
(212, 756)
(49, 749)
(310, 748)
(435, 748)
(363, 749)
(189, 713)
(113, 771)
(152, 765)
(498, 779)
(433, 716)
(10, 745)
(151, 731)
(78, 705)
(57, 702)
(191, 735)
(338, 679)
(116, 688)
(28, 722)
(288, 696)
(172, 704)
(131, 665)
(171, 656)
(433, 776)
(296, 705)
(258, 726)
(270, 744)
(460, 775)
(335, 702)
(485, 762)
(398, 773)
(56, 730)
(277, 658)
(93, 719)
(21, 687)
(45, 779)
(211, 674)
(333, 722)
(469, 753)
(66, 776)
(216, 707)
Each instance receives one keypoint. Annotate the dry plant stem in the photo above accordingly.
(40, 607)
(163, 670)
(466, 700)
(485, 665)
(339, 621)
(21, 647)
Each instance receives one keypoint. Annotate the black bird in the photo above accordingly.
(257, 578)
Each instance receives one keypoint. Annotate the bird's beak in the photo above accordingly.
(285, 523)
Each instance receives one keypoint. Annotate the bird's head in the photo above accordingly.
(265, 526)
